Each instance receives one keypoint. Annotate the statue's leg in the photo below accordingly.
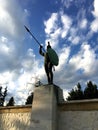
(50, 73)
(47, 73)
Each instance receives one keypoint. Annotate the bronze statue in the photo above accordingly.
(47, 64)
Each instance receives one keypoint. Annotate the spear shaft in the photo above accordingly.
(33, 37)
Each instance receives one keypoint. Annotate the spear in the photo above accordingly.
(33, 37)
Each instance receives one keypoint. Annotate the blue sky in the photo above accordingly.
(72, 28)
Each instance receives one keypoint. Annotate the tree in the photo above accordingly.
(91, 91)
(79, 92)
(11, 102)
(76, 94)
(29, 99)
(72, 95)
(3, 94)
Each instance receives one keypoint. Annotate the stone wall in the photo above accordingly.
(78, 115)
(50, 112)
(15, 118)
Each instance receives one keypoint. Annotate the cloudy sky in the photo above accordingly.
(72, 28)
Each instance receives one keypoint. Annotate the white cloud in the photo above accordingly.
(95, 12)
(28, 60)
(86, 59)
(53, 38)
(4, 39)
(51, 23)
(57, 26)
(66, 22)
(11, 18)
(94, 24)
(63, 57)
(66, 3)
(83, 24)
(81, 67)
(75, 40)
(16, 69)
(52, 30)
(65, 93)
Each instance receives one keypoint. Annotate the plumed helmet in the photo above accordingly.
(48, 46)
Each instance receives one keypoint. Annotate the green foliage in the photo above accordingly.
(11, 102)
(3, 94)
(29, 99)
(89, 92)
(76, 94)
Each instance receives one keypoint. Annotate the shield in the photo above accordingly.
(53, 56)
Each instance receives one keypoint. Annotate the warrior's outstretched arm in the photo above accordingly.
(40, 51)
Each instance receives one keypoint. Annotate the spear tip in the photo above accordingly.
(26, 28)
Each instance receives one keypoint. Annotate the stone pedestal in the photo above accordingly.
(44, 108)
